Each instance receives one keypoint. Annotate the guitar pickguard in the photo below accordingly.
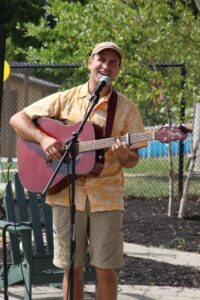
(65, 168)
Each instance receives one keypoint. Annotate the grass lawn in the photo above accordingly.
(149, 179)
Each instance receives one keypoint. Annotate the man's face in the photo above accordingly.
(105, 63)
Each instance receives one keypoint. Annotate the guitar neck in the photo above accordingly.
(132, 139)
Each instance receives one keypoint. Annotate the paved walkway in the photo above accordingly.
(174, 257)
(128, 292)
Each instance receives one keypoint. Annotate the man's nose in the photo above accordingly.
(105, 64)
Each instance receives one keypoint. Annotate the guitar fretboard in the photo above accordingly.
(131, 139)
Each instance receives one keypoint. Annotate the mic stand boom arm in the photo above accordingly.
(71, 149)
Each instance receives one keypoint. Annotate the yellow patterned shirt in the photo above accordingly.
(105, 191)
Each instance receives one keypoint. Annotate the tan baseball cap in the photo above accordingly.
(107, 45)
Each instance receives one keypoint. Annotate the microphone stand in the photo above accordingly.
(71, 149)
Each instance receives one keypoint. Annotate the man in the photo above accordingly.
(99, 199)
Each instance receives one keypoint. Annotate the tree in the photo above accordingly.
(147, 31)
(14, 14)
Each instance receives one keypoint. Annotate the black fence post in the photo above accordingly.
(181, 143)
(2, 57)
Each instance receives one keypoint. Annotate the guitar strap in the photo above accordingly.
(112, 104)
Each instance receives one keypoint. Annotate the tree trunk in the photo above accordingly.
(184, 198)
(195, 146)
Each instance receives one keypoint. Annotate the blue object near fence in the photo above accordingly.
(158, 149)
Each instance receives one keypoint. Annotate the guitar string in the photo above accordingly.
(106, 143)
(134, 138)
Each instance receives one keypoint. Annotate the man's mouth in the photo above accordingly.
(102, 74)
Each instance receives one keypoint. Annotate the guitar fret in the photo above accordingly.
(95, 145)
(142, 137)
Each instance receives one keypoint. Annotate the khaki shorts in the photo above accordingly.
(104, 242)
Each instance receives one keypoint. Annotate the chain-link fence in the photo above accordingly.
(150, 178)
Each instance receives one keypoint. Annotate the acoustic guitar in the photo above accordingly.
(35, 171)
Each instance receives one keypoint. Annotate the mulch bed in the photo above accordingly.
(146, 223)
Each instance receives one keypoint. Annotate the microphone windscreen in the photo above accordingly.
(106, 79)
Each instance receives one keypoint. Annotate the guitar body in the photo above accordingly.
(33, 169)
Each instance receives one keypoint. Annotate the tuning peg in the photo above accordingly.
(185, 129)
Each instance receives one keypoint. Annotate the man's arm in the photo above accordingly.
(25, 128)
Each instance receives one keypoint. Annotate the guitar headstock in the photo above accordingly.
(168, 134)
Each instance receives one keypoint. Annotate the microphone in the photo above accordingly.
(105, 80)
